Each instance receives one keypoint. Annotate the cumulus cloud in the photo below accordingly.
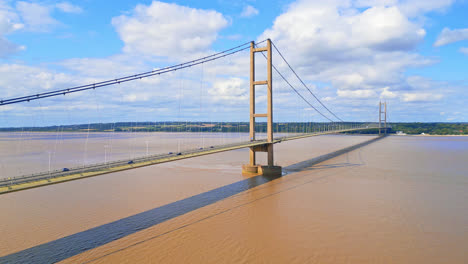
(414, 8)
(421, 97)
(387, 94)
(362, 48)
(134, 97)
(249, 11)
(36, 17)
(162, 29)
(416, 82)
(448, 36)
(229, 90)
(136, 100)
(9, 22)
(335, 26)
(385, 28)
(110, 67)
(17, 79)
(345, 46)
(356, 94)
(69, 8)
(29, 16)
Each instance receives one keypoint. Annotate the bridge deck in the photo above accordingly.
(45, 178)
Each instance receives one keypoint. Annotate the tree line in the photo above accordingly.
(231, 127)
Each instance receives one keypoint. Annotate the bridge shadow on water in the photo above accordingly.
(333, 166)
(314, 164)
(75, 244)
(311, 164)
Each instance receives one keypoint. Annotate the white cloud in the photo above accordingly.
(448, 36)
(362, 48)
(367, 3)
(385, 28)
(336, 27)
(357, 94)
(9, 22)
(346, 46)
(162, 29)
(343, 47)
(249, 11)
(134, 97)
(18, 80)
(132, 100)
(414, 8)
(27, 16)
(464, 50)
(230, 90)
(36, 17)
(420, 97)
(111, 67)
(387, 94)
(69, 8)
(419, 82)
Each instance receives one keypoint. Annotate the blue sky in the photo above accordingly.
(412, 54)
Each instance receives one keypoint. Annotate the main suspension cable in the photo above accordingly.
(281, 55)
(184, 65)
(297, 92)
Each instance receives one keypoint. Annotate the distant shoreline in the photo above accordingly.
(141, 132)
(414, 128)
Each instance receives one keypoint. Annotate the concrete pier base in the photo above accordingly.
(270, 170)
(249, 169)
(253, 170)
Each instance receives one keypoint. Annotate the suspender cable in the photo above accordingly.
(127, 78)
(281, 55)
(294, 89)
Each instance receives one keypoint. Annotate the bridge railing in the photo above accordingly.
(110, 164)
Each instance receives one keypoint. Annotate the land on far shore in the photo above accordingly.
(414, 128)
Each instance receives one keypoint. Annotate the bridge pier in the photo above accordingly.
(248, 170)
(252, 168)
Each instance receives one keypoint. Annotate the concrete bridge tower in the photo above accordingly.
(252, 168)
(384, 118)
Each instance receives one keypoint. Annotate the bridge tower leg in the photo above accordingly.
(252, 168)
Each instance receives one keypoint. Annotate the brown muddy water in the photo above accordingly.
(25, 153)
(397, 200)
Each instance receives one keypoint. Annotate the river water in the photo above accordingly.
(401, 199)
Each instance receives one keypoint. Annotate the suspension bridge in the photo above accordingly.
(257, 141)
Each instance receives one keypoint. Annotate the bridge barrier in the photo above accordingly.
(109, 167)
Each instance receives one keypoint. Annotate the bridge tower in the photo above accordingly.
(384, 112)
(252, 168)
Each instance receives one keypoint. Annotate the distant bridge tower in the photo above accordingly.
(384, 112)
(252, 167)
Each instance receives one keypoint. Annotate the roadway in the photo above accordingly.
(57, 176)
